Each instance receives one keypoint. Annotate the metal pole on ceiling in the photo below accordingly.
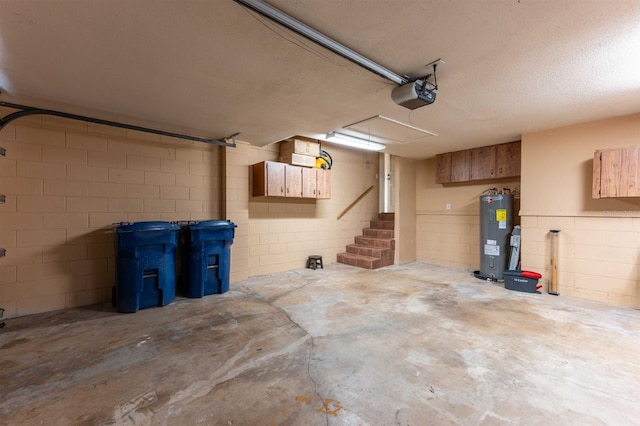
(27, 110)
(304, 30)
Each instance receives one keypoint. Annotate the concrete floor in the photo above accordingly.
(404, 345)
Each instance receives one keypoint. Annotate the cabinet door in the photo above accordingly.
(443, 168)
(268, 179)
(293, 181)
(309, 183)
(274, 176)
(323, 183)
(616, 173)
(461, 166)
(259, 179)
(483, 163)
(508, 160)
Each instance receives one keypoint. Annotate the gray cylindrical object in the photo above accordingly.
(496, 224)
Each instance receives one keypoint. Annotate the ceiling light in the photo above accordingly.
(353, 141)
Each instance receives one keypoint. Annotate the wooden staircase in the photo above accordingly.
(375, 248)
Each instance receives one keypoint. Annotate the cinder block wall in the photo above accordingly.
(451, 237)
(66, 182)
(283, 232)
(599, 253)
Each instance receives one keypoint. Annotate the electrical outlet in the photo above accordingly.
(447, 206)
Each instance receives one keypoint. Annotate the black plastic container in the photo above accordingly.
(526, 281)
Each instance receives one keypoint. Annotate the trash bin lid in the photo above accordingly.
(213, 224)
(146, 226)
(519, 273)
(531, 274)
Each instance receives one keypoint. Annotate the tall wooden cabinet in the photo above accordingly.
(616, 172)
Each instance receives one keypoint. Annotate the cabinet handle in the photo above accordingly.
(287, 190)
(281, 189)
(500, 170)
(491, 172)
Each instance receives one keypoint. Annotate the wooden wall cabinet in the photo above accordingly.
(273, 179)
(309, 182)
(323, 184)
(508, 160)
(268, 179)
(487, 162)
(616, 172)
(443, 168)
(483, 163)
(460, 166)
(292, 181)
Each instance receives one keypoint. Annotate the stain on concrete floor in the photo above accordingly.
(404, 345)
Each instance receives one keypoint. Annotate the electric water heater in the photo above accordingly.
(496, 224)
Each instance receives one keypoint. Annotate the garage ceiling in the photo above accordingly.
(212, 68)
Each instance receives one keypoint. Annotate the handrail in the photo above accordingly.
(355, 202)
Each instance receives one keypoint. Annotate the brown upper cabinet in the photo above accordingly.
(483, 163)
(323, 184)
(615, 172)
(508, 160)
(487, 162)
(268, 179)
(293, 181)
(443, 168)
(460, 166)
(273, 179)
(309, 184)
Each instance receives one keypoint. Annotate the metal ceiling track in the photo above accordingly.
(276, 15)
(25, 111)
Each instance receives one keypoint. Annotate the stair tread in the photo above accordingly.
(375, 238)
(358, 256)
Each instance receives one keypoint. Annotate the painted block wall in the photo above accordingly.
(405, 210)
(599, 249)
(283, 232)
(66, 182)
(451, 237)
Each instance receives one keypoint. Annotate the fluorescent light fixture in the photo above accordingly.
(304, 30)
(353, 141)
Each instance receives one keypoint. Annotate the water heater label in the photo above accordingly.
(502, 225)
(492, 242)
(501, 215)
(491, 250)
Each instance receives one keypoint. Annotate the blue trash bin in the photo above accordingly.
(145, 265)
(207, 257)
